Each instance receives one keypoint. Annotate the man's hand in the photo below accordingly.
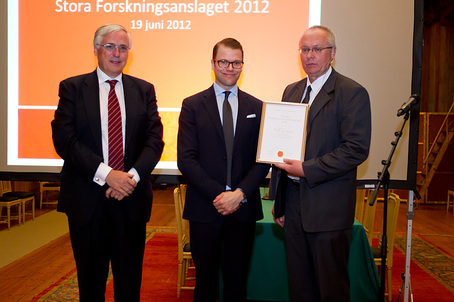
(228, 202)
(121, 184)
(115, 194)
(280, 220)
(293, 167)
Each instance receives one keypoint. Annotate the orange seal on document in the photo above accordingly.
(280, 153)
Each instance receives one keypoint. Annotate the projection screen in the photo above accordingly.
(48, 41)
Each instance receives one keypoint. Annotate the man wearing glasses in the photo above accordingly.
(109, 134)
(217, 144)
(319, 193)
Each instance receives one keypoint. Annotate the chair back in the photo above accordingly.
(6, 186)
(50, 186)
(369, 218)
(179, 195)
(391, 223)
(359, 209)
(184, 249)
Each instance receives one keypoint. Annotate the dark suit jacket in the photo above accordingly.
(202, 156)
(76, 132)
(338, 140)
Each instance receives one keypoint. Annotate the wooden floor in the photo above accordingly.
(429, 220)
(32, 274)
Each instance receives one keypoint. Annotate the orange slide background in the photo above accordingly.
(56, 45)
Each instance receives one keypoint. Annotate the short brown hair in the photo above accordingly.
(228, 42)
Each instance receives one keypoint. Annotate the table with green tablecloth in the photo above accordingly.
(268, 281)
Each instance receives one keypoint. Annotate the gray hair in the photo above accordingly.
(330, 35)
(107, 29)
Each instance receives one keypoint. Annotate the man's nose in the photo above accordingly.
(116, 51)
(310, 53)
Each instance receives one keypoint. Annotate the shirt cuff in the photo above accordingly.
(101, 174)
(136, 176)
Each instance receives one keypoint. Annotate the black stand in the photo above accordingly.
(383, 180)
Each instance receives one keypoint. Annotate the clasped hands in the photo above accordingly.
(228, 202)
(121, 184)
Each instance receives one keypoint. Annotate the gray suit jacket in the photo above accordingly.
(338, 140)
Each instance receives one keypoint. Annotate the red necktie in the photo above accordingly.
(116, 160)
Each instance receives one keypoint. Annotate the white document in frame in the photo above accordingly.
(282, 132)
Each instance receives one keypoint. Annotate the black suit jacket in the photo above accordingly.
(76, 132)
(338, 140)
(202, 157)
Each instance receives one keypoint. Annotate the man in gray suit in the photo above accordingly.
(317, 196)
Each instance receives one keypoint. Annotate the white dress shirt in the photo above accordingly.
(233, 101)
(104, 88)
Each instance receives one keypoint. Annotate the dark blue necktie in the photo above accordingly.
(227, 123)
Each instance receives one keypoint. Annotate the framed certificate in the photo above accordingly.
(282, 132)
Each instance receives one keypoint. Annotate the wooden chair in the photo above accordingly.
(450, 194)
(44, 187)
(391, 223)
(184, 249)
(9, 202)
(369, 217)
(359, 209)
(24, 196)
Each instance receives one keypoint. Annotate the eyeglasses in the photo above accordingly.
(225, 63)
(111, 47)
(315, 50)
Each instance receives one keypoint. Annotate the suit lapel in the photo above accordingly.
(90, 94)
(321, 99)
(243, 110)
(211, 106)
(296, 94)
(131, 99)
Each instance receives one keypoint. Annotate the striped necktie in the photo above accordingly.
(116, 160)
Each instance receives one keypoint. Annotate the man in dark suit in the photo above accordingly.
(319, 193)
(223, 199)
(107, 197)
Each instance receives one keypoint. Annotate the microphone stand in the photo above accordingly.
(410, 216)
(383, 180)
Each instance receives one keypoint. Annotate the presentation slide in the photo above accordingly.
(172, 43)
(378, 45)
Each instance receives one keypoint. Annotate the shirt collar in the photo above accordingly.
(219, 90)
(102, 77)
(320, 81)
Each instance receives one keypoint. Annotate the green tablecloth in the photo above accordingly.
(268, 281)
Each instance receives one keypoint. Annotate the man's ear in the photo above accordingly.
(333, 53)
